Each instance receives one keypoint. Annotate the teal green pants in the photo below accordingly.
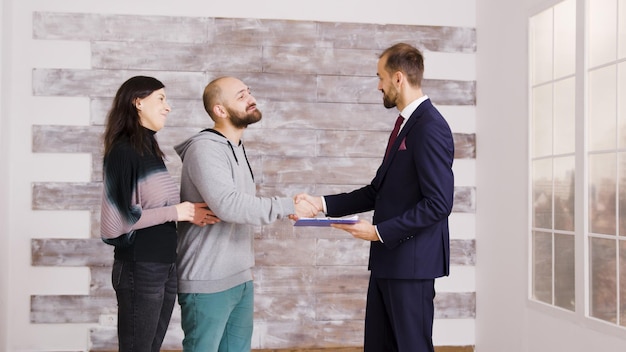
(218, 322)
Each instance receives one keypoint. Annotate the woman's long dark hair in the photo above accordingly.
(123, 119)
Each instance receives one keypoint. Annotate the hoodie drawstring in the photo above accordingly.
(232, 149)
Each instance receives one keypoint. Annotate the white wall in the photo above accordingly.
(20, 110)
(501, 176)
(4, 185)
(506, 321)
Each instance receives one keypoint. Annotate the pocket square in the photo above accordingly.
(403, 144)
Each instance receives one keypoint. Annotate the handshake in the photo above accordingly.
(306, 206)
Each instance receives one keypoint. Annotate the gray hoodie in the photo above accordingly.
(217, 257)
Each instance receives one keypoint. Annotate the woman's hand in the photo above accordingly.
(185, 211)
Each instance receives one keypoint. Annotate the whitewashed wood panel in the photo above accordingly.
(341, 279)
(283, 143)
(464, 200)
(328, 116)
(352, 144)
(67, 139)
(279, 86)
(185, 112)
(66, 196)
(367, 36)
(298, 253)
(86, 196)
(89, 27)
(340, 306)
(463, 252)
(320, 61)
(70, 308)
(348, 251)
(310, 334)
(289, 305)
(100, 284)
(359, 144)
(61, 309)
(356, 252)
(351, 306)
(177, 57)
(266, 32)
(91, 252)
(104, 83)
(318, 170)
(323, 132)
(276, 115)
(352, 89)
(270, 280)
(286, 252)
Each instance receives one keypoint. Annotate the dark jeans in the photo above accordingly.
(146, 293)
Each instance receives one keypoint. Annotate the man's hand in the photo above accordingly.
(304, 209)
(362, 229)
(315, 201)
(306, 206)
(203, 216)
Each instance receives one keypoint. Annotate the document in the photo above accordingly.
(326, 221)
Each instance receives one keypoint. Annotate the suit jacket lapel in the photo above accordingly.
(382, 170)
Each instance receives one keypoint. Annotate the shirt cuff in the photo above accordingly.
(378, 234)
(324, 205)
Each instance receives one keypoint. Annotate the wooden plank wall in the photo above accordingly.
(324, 130)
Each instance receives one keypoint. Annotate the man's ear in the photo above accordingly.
(219, 110)
(398, 77)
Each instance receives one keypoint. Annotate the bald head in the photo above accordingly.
(212, 95)
(228, 101)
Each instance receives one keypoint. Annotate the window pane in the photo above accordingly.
(622, 195)
(602, 174)
(622, 280)
(542, 266)
(565, 38)
(622, 28)
(621, 108)
(564, 199)
(602, 31)
(603, 279)
(541, 46)
(602, 108)
(564, 116)
(542, 120)
(542, 194)
(564, 272)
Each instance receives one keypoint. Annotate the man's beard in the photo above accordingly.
(242, 120)
(389, 101)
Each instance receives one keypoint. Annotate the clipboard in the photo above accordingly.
(326, 221)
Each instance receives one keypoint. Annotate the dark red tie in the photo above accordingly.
(394, 134)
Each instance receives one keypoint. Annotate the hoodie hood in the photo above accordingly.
(212, 135)
(207, 135)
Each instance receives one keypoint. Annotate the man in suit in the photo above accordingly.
(411, 195)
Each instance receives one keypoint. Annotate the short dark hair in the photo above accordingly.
(406, 59)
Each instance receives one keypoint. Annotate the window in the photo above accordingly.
(553, 81)
(606, 153)
(599, 151)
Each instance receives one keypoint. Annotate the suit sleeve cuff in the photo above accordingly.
(378, 234)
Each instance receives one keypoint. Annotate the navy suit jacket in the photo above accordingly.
(411, 195)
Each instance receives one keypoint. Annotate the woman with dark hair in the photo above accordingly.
(140, 207)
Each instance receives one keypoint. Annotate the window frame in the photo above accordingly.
(582, 308)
